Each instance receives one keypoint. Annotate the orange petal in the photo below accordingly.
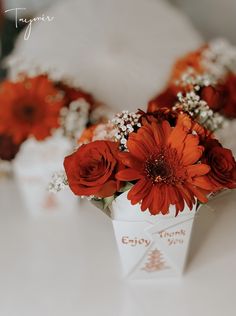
(173, 194)
(166, 201)
(130, 161)
(187, 195)
(138, 191)
(202, 182)
(136, 149)
(199, 195)
(145, 140)
(154, 208)
(198, 170)
(177, 138)
(191, 156)
(147, 201)
(185, 121)
(158, 133)
(128, 175)
(166, 129)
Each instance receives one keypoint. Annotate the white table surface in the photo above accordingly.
(66, 263)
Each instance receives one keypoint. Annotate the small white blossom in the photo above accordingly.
(58, 182)
(105, 132)
(125, 123)
(191, 78)
(75, 118)
(199, 110)
(219, 58)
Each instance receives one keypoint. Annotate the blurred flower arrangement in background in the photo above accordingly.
(203, 83)
(37, 107)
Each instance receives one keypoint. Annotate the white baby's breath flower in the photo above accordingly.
(125, 123)
(219, 58)
(75, 118)
(58, 183)
(199, 110)
(104, 132)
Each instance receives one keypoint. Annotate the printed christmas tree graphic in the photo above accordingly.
(155, 262)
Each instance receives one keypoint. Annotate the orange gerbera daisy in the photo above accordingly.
(165, 163)
(29, 108)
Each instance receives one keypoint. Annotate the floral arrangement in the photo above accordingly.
(37, 107)
(162, 158)
(203, 83)
(168, 155)
(147, 170)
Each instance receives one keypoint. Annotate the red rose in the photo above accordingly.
(91, 169)
(166, 98)
(214, 97)
(229, 109)
(222, 163)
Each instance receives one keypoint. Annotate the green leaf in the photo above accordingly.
(126, 187)
(107, 201)
(104, 203)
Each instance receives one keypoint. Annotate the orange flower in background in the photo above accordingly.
(165, 163)
(190, 60)
(87, 134)
(30, 107)
(91, 169)
(168, 97)
(102, 131)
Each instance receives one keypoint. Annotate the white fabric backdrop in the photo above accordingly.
(213, 18)
(32, 6)
(121, 51)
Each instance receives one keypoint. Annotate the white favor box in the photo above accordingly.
(151, 246)
(33, 170)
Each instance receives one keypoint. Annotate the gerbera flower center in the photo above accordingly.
(28, 113)
(161, 167)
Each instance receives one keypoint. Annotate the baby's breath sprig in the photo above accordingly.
(219, 58)
(125, 122)
(58, 182)
(192, 79)
(191, 102)
(199, 110)
(74, 118)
